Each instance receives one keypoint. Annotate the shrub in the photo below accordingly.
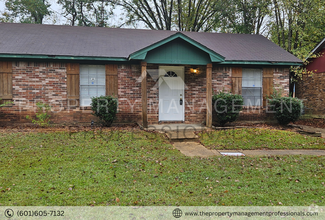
(5, 103)
(227, 107)
(105, 108)
(42, 115)
(287, 109)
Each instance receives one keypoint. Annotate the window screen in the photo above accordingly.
(92, 83)
(252, 87)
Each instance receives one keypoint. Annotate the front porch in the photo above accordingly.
(192, 102)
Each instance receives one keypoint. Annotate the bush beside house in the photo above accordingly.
(105, 108)
(287, 109)
(226, 107)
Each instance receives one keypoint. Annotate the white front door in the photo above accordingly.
(171, 93)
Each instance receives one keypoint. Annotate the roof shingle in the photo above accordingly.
(34, 39)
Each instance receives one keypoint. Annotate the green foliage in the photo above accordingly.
(287, 109)
(227, 106)
(258, 139)
(143, 169)
(105, 108)
(244, 17)
(300, 71)
(86, 12)
(182, 15)
(42, 115)
(277, 93)
(298, 26)
(5, 104)
(28, 11)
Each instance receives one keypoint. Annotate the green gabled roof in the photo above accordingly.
(141, 54)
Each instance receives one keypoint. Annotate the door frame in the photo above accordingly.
(183, 91)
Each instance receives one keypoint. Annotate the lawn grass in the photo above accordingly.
(127, 168)
(259, 138)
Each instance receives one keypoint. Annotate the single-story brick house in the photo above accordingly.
(157, 76)
(311, 88)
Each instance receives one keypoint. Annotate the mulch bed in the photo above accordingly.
(68, 128)
(315, 122)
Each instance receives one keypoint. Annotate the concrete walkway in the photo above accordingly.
(185, 140)
(192, 149)
(250, 153)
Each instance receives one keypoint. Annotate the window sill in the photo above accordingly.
(252, 107)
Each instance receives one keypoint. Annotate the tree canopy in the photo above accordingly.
(295, 25)
(26, 11)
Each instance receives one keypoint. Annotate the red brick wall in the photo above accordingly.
(153, 93)
(281, 80)
(129, 93)
(195, 95)
(221, 79)
(46, 82)
(41, 82)
(311, 90)
(311, 87)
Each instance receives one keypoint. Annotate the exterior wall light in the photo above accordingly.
(195, 70)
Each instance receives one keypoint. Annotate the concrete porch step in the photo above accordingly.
(181, 135)
(178, 132)
(175, 127)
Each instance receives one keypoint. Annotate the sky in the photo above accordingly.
(60, 20)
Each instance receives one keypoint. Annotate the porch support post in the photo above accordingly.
(209, 95)
(144, 94)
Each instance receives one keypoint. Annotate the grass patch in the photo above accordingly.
(259, 138)
(143, 169)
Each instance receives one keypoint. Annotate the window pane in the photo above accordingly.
(84, 79)
(92, 91)
(92, 83)
(101, 78)
(252, 96)
(84, 90)
(252, 78)
(92, 79)
(101, 90)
